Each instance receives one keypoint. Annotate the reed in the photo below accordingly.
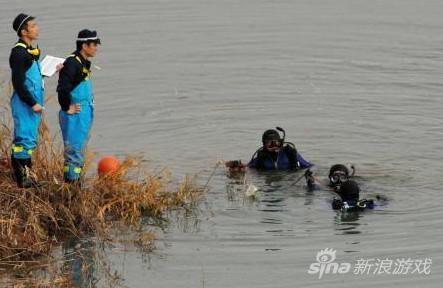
(34, 220)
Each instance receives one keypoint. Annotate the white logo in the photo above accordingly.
(377, 266)
(326, 265)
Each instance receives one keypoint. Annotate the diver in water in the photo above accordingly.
(340, 181)
(349, 193)
(275, 154)
(338, 174)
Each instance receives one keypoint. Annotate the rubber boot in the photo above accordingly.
(71, 177)
(21, 167)
(76, 184)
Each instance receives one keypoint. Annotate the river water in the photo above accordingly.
(189, 82)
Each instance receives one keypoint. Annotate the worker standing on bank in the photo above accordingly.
(76, 100)
(28, 97)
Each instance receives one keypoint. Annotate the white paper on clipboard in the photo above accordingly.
(49, 65)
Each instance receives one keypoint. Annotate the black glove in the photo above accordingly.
(310, 180)
(337, 204)
(308, 174)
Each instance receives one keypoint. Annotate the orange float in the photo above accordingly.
(108, 165)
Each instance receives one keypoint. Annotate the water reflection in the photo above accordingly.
(279, 193)
(273, 195)
(275, 189)
(347, 222)
(80, 259)
(188, 220)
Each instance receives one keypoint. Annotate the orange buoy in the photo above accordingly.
(108, 165)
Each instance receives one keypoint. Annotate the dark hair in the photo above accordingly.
(79, 44)
(24, 26)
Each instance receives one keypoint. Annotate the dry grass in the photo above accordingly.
(33, 221)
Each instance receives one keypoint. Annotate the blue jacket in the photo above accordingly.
(287, 159)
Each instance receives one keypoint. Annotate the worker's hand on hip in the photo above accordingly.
(74, 109)
(37, 108)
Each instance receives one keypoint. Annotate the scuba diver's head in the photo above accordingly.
(349, 191)
(272, 142)
(338, 174)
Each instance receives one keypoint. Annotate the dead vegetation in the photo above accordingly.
(33, 221)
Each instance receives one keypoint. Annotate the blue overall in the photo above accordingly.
(26, 121)
(75, 129)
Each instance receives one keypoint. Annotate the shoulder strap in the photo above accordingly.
(292, 145)
(260, 156)
(19, 44)
(34, 51)
(256, 152)
(291, 152)
(76, 58)
(85, 71)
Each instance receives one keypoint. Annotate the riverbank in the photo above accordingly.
(36, 220)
